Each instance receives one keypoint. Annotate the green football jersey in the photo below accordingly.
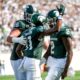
(57, 46)
(22, 25)
(34, 44)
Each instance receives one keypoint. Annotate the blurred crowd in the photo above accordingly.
(12, 10)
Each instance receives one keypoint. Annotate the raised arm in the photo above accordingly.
(14, 33)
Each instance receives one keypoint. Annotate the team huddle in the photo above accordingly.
(39, 37)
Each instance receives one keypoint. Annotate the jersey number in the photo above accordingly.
(29, 43)
(52, 47)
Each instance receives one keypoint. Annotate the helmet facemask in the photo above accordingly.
(51, 22)
(27, 17)
(52, 17)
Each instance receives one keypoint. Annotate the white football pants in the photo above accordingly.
(18, 74)
(56, 67)
(32, 68)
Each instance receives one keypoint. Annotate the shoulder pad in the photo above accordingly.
(16, 24)
(20, 24)
(65, 32)
(40, 28)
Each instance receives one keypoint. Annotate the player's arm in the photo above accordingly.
(53, 30)
(49, 31)
(47, 54)
(13, 37)
(15, 32)
(68, 45)
(45, 48)
(19, 50)
(45, 57)
(46, 42)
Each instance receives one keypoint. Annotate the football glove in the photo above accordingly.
(20, 40)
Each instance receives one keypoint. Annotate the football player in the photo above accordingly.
(14, 37)
(60, 54)
(57, 14)
(36, 46)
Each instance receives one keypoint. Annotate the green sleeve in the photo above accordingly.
(66, 32)
(37, 30)
(17, 24)
(20, 25)
(33, 31)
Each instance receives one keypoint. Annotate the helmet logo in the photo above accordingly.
(41, 18)
(56, 13)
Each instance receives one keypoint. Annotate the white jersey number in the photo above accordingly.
(52, 47)
(29, 43)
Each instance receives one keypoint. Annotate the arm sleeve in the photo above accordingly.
(65, 33)
(17, 24)
(40, 29)
(33, 31)
(37, 30)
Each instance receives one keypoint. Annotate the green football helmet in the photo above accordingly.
(53, 15)
(61, 9)
(38, 19)
(28, 11)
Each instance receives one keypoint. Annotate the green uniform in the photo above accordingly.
(22, 25)
(57, 46)
(34, 42)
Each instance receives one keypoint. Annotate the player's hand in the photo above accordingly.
(43, 68)
(64, 74)
(22, 40)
